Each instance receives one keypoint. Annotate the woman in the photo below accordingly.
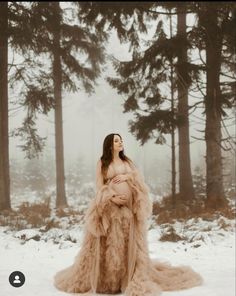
(114, 254)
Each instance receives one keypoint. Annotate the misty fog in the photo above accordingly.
(88, 119)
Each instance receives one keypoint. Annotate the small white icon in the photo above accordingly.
(16, 280)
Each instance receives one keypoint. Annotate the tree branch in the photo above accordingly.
(201, 139)
(169, 13)
(231, 77)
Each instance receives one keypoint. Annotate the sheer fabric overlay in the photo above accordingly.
(114, 257)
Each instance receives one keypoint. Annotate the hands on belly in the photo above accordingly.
(119, 199)
(119, 178)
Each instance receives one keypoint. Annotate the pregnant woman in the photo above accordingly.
(114, 254)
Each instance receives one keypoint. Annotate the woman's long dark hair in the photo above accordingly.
(107, 155)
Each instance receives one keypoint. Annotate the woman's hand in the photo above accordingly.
(120, 200)
(119, 178)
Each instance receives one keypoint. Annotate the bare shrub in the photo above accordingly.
(26, 216)
(170, 235)
(51, 223)
(167, 211)
(67, 212)
(223, 225)
(35, 214)
(156, 208)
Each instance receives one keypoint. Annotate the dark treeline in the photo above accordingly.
(64, 49)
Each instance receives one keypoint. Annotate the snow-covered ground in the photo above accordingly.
(209, 249)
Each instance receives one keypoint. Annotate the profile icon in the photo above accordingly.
(17, 279)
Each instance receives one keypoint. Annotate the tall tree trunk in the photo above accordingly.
(57, 77)
(185, 175)
(214, 179)
(4, 140)
(173, 158)
(173, 168)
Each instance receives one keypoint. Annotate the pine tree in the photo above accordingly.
(217, 38)
(4, 142)
(64, 43)
(183, 83)
(15, 33)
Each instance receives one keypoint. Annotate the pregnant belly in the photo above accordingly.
(122, 188)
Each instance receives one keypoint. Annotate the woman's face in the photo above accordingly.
(117, 144)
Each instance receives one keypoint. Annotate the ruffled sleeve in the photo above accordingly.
(99, 177)
(142, 205)
(96, 219)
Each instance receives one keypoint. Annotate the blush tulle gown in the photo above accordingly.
(114, 257)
